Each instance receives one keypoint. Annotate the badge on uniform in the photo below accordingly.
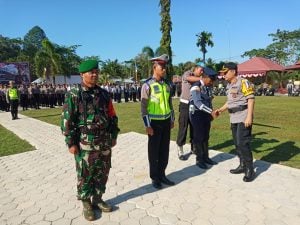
(233, 92)
(156, 89)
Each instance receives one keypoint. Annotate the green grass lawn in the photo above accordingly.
(276, 136)
(12, 144)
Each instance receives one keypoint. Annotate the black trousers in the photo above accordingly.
(24, 101)
(242, 138)
(14, 108)
(158, 148)
(184, 124)
(201, 126)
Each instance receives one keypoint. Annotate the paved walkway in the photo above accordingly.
(38, 187)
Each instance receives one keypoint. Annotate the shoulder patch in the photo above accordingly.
(247, 87)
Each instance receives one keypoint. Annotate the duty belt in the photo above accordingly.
(237, 109)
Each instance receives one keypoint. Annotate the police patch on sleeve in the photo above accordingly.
(247, 88)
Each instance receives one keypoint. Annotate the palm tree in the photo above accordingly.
(47, 61)
(148, 51)
(204, 39)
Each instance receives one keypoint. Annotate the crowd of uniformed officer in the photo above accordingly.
(35, 96)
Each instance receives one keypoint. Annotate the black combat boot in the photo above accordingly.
(249, 173)
(205, 155)
(88, 212)
(239, 169)
(199, 158)
(102, 205)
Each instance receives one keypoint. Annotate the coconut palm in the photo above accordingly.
(47, 61)
(204, 40)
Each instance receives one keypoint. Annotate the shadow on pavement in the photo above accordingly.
(177, 177)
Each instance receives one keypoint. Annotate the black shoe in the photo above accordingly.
(183, 157)
(166, 181)
(249, 175)
(201, 165)
(238, 170)
(210, 162)
(156, 184)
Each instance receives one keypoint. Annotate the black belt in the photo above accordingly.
(237, 109)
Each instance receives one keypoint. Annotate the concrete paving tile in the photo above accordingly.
(183, 223)
(118, 216)
(137, 213)
(220, 220)
(80, 221)
(130, 221)
(148, 220)
(214, 196)
(34, 219)
(62, 221)
(127, 207)
(54, 216)
(201, 221)
(13, 220)
(168, 218)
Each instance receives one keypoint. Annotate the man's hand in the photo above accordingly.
(215, 114)
(248, 121)
(73, 149)
(113, 142)
(149, 131)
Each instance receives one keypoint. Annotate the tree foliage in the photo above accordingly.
(284, 50)
(47, 60)
(9, 48)
(166, 28)
(204, 39)
(33, 40)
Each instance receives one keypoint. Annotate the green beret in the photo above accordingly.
(88, 65)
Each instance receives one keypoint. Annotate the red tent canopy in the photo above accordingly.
(258, 66)
(296, 66)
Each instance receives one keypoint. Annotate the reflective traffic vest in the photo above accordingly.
(158, 104)
(13, 94)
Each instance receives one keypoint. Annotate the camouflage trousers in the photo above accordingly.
(92, 173)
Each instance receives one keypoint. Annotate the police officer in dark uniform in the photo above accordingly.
(201, 115)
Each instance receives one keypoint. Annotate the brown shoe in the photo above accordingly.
(102, 205)
(88, 212)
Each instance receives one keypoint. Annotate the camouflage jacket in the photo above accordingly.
(89, 119)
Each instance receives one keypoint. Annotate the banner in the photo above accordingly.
(15, 71)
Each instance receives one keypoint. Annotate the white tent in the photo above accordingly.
(59, 79)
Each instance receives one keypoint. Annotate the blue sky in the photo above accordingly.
(119, 29)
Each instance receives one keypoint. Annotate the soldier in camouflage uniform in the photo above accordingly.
(90, 125)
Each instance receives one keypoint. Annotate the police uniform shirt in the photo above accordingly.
(200, 97)
(186, 86)
(238, 94)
